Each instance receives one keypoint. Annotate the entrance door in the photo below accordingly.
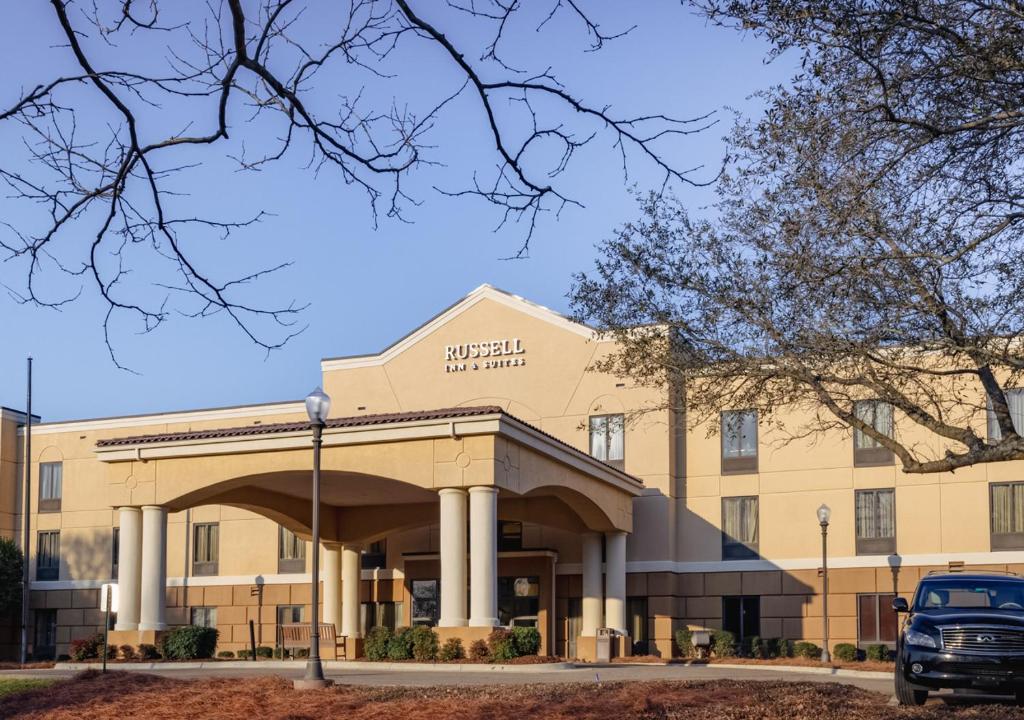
(636, 621)
(573, 626)
(741, 615)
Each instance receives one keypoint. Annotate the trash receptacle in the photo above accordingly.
(604, 644)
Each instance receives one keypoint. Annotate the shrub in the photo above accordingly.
(452, 650)
(11, 568)
(684, 641)
(189, 642)
(526, 640)
(424, 643)
(771, 647)
(264, 651)
(128, 653)
(86, 648)
(244, 654)
(783, 648)
(757, 648)
(226, 654)
(148, 652)
(400, 644)
(301, 652)
(110, 652)
(723, 643)
(845, 652)
(501, 645)
(478, 650)
(806, 650)
(878, 652)
(376, 644)
(278, 653)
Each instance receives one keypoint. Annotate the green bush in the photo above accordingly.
(771, 647)
(244, 654)
(128, 653)
(301, 652)
(226, 654)
(478, 650)
(783, 648)
(723, 643)
(526, 640)
(110, 652)
(400, 644)
(424, 643)
(190, 642)
(807, 650)
(684, 641)
(500, 645)
(878, 652)
(11, 570)
(376, 644)
(845, 652)
(148, 652)
(451, 650)
(278, 653)
(264, 651)
(86, 648)
(757, 648)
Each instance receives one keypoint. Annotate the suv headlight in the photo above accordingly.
(913, 637)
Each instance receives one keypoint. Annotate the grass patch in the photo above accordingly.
(11, 686)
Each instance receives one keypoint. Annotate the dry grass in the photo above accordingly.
(128, 695)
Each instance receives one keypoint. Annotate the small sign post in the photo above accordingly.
(108, 604)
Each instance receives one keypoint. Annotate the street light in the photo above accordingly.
(824, 513)
(318, 404)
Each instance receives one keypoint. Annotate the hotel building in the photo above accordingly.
(476, 473)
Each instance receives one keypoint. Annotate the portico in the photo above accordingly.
(461, 469)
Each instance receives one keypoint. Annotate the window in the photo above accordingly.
(1015, 401)
(877, 622)
(739, 528)
(291, 551)
(204, 616)
(48, 555)
(518, 600)
(876, 521)
(741, 615)
(867, 450)
(205, 548)
(382, 614)
(425, 606)
(1007, 516)
(51, 480)
(510, 535)
(375, 555)
(607, 433)
(739, 441)
(289, 614)
(44, 645)
(115, 552)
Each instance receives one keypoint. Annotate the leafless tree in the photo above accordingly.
(101, 169)
(867, 240)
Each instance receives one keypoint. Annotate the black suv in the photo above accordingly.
(963, 630)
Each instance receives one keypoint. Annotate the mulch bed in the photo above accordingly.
(864, 665)
(126, 695)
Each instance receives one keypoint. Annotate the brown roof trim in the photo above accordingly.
(355, 421)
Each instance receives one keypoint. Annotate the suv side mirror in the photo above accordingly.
(900, 605)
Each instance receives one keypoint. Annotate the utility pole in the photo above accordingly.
(27, 497)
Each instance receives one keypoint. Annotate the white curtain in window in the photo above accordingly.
(292, 547)
(1015, 401)
(740, 519)
(1008, 508)
(598, 437)
(205, 544)
(876, 514)
(878, 415)
(50, 480)
(616, 436)
(739, 433)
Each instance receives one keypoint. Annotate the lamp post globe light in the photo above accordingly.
(824, 513)
(318, 405)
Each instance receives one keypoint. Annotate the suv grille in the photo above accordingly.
(983, 640)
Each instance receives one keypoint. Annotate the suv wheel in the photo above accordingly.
(907, 694)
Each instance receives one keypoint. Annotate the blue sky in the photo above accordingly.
(366, 287)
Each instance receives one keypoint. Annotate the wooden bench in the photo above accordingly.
(297, 635)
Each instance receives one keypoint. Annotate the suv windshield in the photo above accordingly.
(967, 593)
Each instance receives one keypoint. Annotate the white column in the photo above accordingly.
(129, 569)
(593, 597)
(153, 614)
(453, 557)
(351, 561)
(483, 556)
(332, 585)
(615, 580)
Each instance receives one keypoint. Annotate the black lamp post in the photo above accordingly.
(318, 404)
(824, 513)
